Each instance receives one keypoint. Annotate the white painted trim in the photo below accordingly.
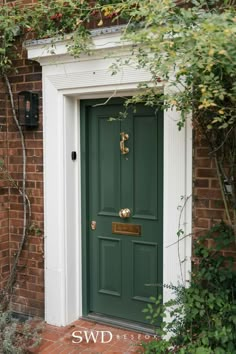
(65, 81)
(43, 52)
(177, 182)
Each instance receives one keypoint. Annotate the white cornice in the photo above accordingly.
(50, 51)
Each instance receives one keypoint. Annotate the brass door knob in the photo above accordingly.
(93, 225)
(124, 213)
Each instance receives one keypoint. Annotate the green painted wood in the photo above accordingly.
(118, 268)
(145, 177)
(109, 265)
(108, 165)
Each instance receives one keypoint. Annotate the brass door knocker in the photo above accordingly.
(124, 137)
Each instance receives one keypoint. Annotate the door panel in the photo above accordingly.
(109, 188)
(110, 269)
(123, 267)
(145, 167)
(145, 269)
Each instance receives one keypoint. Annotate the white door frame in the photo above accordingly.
(65, 81)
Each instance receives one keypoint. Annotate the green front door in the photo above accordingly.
(123, 170)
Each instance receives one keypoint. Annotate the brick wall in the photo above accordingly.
(4, 206)
(28, 295)
(208, 207)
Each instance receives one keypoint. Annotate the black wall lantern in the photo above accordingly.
(28, 111)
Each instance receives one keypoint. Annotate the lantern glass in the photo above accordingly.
(28, 109)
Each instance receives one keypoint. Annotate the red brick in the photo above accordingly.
(17, 78)
(205, 172)
(33, 77)
(207, 163)
(24, 86)
(216, 204)
(25, 70)
(209, 193)
(202, 152)
(203, 183)
(204, 223)
(230, 253)
(215, 183)
(209, 213)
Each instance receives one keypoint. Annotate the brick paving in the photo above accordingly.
(59, 340)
